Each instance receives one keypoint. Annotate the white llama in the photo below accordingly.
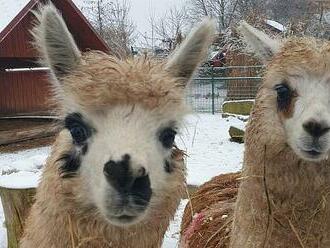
(114, 177)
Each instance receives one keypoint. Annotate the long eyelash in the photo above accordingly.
(70, 165)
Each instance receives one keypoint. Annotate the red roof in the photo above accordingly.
(15, 39)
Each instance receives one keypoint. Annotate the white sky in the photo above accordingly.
(9, 9)
(142, 9)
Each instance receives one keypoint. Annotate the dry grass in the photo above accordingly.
(214, 201)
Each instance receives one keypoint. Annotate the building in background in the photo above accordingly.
(24, 86)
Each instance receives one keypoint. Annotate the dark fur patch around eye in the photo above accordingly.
(72, 119)
(167, 137)
(71, 160)
(70, 164)
(80, 131)
(286, 98)
(168, 166)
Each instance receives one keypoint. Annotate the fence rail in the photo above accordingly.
(214, 85)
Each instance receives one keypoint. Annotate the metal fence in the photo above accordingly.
(214, 85)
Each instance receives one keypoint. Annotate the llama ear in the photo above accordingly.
(192, 52)
(54, 41)
(258, 42)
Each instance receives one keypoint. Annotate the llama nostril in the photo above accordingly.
(108, 168)
(316, 129)
(119, 174)
(123, 179)
(142, 188)
(141, 172)
(126, 157)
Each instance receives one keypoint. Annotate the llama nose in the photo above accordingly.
(315, 128)
(120, 175)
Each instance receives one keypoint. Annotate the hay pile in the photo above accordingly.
(208, 216)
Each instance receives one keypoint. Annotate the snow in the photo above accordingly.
(247, 100)
(22, 169)
(204, 137)
(213, 54)
(3, 234)
(173, 232)
(327, 17)
(210, 153)
(277, 25)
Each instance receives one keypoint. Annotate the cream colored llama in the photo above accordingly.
(284, 196)
(114, 177)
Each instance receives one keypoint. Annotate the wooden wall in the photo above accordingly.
(24, 93)
(246, 88)
(27, 93)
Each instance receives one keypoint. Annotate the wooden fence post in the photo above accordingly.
(16, 205)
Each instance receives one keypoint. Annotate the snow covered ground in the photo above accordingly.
(210, 153)
(204, 137)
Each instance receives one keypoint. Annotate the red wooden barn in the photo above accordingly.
(24, 89)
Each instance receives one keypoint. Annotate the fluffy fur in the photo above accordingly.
(125, 105)
(259, 43)
(283, 197)
(61, 218)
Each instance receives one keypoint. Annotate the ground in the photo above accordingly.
(204, 137)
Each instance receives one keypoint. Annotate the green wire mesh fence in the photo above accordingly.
(214, 85)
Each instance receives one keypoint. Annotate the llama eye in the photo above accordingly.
(284, 95)
(79, 134)
(167, 137)
(77, 127)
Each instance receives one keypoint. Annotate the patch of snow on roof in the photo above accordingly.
(10, 9)
(213, 54)
(276, 25)
(327, 17)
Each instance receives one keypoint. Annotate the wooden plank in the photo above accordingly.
(9, 137)
(16, 205)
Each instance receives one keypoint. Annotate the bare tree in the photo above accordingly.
(247, 8)
(224, 11)
(110, 19)
(302, 17)
(198, 9)
(167, 30)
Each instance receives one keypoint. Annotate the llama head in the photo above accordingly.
(121, 118)
(296, 90)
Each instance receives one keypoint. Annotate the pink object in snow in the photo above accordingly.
(197, 221)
